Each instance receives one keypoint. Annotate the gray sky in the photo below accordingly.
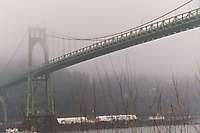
(91, 18)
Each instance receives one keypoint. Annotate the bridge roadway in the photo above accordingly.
(173, 25)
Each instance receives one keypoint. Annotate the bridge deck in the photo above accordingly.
(153, 31)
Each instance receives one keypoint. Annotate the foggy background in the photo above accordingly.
(93, 18)
(176, 55)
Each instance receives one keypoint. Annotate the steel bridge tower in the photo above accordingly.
(37, 36)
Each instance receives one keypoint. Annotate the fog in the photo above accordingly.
(91, 18)
(177, 55)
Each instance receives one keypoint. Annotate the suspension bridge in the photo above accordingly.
(95, 47)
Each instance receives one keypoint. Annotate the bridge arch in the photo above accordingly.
(37, 36)
(38, 56)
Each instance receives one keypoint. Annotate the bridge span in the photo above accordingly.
(173, 25)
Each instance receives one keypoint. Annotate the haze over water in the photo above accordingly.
(172, 56)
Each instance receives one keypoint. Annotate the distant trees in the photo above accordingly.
(78, 95)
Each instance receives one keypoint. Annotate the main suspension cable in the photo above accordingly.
(65, 37)
(14, 53)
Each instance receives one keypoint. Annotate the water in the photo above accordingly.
(155, 129)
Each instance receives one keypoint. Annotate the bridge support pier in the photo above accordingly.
(40, 111)
(3, 105)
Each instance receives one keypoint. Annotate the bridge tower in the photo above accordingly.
(37, 36)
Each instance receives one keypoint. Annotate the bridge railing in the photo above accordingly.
(131, 35)
(152, 27)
